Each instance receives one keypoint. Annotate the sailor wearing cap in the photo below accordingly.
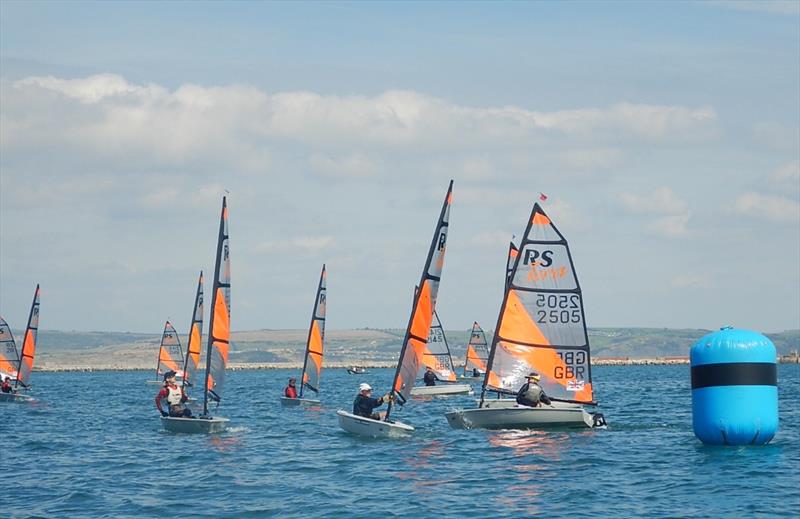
(531, 393)
(364, 404)
(175, 397)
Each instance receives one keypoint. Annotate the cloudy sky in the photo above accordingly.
(665, 134)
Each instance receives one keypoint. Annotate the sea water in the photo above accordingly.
(93, 446)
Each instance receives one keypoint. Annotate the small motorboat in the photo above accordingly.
(357, 370)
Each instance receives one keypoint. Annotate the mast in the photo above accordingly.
(419, 323)
(28, 350)
(219, 325)
(316, 334)
(195, 337)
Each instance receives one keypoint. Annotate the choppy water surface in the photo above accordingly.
(93, 447)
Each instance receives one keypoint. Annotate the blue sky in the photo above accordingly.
(666, 135)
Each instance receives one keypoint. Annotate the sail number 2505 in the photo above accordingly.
(558, 308)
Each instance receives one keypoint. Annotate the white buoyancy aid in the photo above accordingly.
(174, 395)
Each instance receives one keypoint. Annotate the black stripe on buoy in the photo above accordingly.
(735, 374)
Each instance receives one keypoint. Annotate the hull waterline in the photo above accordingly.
(194, 425)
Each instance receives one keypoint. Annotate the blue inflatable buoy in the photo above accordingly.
(734, 388)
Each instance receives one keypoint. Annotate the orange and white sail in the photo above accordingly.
(419, 324)
(219, 329)
(477, 350)
(437, 353)
(312, 365)
(541, 325)
(192, 359)
(170, 353)
(9, 357)
(28, 351)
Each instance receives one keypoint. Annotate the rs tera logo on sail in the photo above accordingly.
(533, 258)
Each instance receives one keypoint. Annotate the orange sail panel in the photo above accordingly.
(437, 353)
(312, 365)
(28, 352)
(9, 358)
(170, 353)
(219, 331)
(541, 326)
(195, 339)
(419, 324)
(477, 350)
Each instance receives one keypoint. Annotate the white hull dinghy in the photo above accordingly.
(416, 340)
(16, 397)
(540, 337)
(373, 428)
(19, 367)
(312, 365)
(194, 425)
(504, 415)
(298, 402)
(443, 390)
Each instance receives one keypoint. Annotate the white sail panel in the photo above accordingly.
(195, 339)
(437, 354)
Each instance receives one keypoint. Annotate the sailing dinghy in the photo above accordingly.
(312, 365)
(438, 358)
(218, 342)
(193, 346)
(477, 353)
(415, 341)
(19, 368)
(540, 328)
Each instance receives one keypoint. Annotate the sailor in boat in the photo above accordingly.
(430, 377)
(6, 385)
(531, 393)
(175, 397)
(476, 373)
(364, 404)
(290, 391)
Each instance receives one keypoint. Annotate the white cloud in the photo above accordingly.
(769, 208)
(110, 116)
(690, 281)
(671, 226)
(356, 165)
(786, 179)
(661, 201)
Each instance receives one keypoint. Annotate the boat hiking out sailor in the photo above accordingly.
(364, 404)
(430, 377)
(290, 391)
(6, 385)
(175, 397)
(531, 393)
(475, 372)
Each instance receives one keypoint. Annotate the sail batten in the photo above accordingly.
(541, 325)
(219, 325)
(195, 340)
(312, 363)
(422, 310)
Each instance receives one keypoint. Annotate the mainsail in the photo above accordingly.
(437, 354)
(477, 350)
(28, 351)
(312, 365)
(419, 324)
(9, 358)
(170, 353)
(195, 338)
(541, 324)
(219, 329)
